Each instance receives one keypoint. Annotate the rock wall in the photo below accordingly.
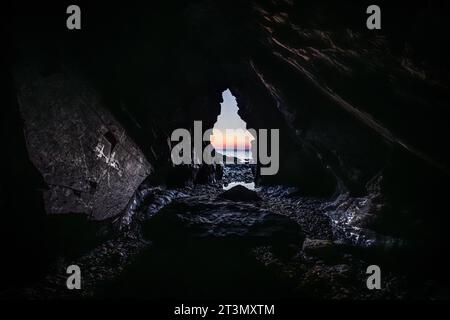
(352, 105)
(85, 156)
(350, 94)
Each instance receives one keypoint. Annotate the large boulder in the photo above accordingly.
(85, 156)
(324, 249)
(240, 193)
(200, 219)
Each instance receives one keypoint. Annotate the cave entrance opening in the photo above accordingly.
(232, 139)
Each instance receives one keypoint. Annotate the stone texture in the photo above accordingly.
(351, 104)
(201, 219)
(240, 193)
(87, 160)
(321, 248)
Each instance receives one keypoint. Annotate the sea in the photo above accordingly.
(243, 155)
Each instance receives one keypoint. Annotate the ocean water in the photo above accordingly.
(240, 154)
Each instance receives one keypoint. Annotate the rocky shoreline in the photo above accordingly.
(275, 245)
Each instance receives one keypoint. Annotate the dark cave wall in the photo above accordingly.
(371, 105)
(71, 88)
(299, 164)
(21, 202)
(354, 106)
(346, 92)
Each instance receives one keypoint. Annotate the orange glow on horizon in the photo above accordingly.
(231, 139)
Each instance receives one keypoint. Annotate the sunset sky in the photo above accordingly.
(229, 119)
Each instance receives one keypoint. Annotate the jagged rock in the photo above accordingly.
(178, 176)
(194, 218)
(322, 281)
(313, 80)
(344, 98)
(86, 157)
(206, 174)
(240, 193)
(238, 173)
(324, 249)
(219, 172)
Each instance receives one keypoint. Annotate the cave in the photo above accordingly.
(88, 176)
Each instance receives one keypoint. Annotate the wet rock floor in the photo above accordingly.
(190, 243)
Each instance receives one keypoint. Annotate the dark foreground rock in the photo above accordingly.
(324, 249)
(199, 219)
(240, 193)
(87, 159)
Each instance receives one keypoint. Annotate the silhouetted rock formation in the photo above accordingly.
(83, 153)
(200, 219)
(362, 114)
(338, 92)
(240, 193)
